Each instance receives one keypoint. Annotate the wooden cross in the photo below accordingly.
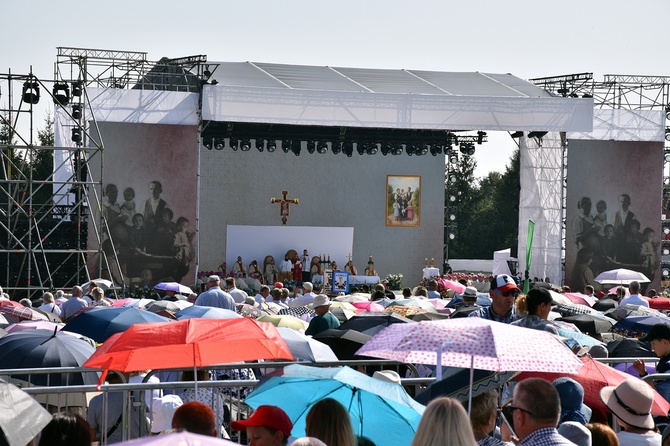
(284, 203)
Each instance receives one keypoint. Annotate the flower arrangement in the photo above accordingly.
(395, 281)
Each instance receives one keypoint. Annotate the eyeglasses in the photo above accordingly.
(513, 408)
(513, 293)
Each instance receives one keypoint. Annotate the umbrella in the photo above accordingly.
(452, 285)
(189, 343)
(418, 317)
(404, 311)
(582, 339)
(32, 325)
(659, 303)
(629, 348)
(100, 323)
(174, 286)
(102, 283)
(21, 417)
(621, 276)
(305, 348)
(344, 343)
(249, 311)
(371, 323)
(297, 312)
(605, 304)
(456, 384)
(125, 302)
(379, 410)
(3, 320)
(590, 323)
(464, 311)
(351, 298)
(207, 313)
(439, 304)
(17, 314)
(593, 377)
(9, 303)
(49, 315)
(572, 309)
(631, 310)
(46, 348)
(559, 298)
(285, 321)
(168, 305)
(472, 342)
(342, 314)
(368, 306)
(423, 304)
(579, 298)
(180, 438)
(637, 326)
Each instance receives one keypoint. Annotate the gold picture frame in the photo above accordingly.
(403, 201)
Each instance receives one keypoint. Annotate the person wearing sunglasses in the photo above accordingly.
(503, 292)
(536, 408)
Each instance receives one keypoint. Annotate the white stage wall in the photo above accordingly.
(256, 242)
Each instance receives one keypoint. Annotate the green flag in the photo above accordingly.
(529, 255)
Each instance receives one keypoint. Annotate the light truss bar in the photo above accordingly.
(89, 53)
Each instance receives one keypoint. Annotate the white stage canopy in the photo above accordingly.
(405, 99)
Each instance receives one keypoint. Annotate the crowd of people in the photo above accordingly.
(539, 412)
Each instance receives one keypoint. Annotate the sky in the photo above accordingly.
(527, 38)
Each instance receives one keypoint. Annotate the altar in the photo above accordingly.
(429, 273)
(353, 280)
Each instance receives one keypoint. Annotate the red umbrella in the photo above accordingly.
(8, 303)
(593, 377)
(659, 303)
(189, 343)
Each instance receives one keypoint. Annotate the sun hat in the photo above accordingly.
(163, 410)
(504, 283)
(270, 416)
(571, 394)
(631, 402)
(387, 375)
(470, 291)
(575, 432)
(320, 300)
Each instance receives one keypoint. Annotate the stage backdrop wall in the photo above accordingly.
(613, 175)
(334, 191)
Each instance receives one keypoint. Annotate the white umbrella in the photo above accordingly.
(102, 283)
(621, 276)
(305, 348)
(21, 417)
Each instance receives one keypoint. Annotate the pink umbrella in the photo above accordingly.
(473, 343)
(123, 302)
(613, 290)
(458, 287)
(18, 314)
(439, 304)
(581, 299)
(368, 306)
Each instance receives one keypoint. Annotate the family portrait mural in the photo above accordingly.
(403, 200)
(148, 205)
(613, 211)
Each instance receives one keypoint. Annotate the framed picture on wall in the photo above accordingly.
(340, 282)
(403, 201)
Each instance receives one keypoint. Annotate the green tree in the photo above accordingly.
(43, 165)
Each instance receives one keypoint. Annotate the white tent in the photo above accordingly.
(501, 261)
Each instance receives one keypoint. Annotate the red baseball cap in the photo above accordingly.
(504, 283)
(269, 416)
(278, 285)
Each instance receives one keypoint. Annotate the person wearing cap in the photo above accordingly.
(267, 426)
(215, 296)
(468, 298)
(324, 319)
(659, 338)
(630, 401)
(536, 305)
(536, 408)
(634, 298)
(571, 394)
(503, 292)
(162, 411)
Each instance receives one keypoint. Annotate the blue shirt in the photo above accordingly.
(488, 313)
(216, 297)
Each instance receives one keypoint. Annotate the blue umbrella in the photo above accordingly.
(100, 323)
(197, 311)
(47, 348)
(379, 410)
(637, 326)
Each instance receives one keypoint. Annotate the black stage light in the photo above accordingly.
(76, 88)
(260, 144)
(373, 149)
(360, 148)
(348, 149)
(61, 93)
(234, 144)
(76, 134)
(208, 144)
(272, 145)
(337, 147)
(76, 111)
(480, 137)
(311, 146)
(296, 146)
(517, 134)
(31, 92)
(322, 147)
(536, 134)
(245, 145)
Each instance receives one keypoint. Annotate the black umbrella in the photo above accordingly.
(629, 348)
(418, 317)
(464, 311)
(631, 310)
(590, 323)
(605, 304)
(370, 322)
(455, 383)
(344, 343)
(28, 349)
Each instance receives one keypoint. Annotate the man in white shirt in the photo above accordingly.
(237, 294)
(634, 298)
(306, 298)
(262, 295)
(286, 269)
(73, 304)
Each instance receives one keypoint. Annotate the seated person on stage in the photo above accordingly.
(350, 268)
(255, 272)
(271, 271)
(370, 269)
(239, 270)
(324, 319)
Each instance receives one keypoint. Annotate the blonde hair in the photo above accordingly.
(444, 418)
(48, 298)
(521, 305)
(329, 421)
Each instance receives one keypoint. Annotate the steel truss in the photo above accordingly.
(620, 91)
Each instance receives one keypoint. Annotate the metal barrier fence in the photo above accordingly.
(225, 396)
